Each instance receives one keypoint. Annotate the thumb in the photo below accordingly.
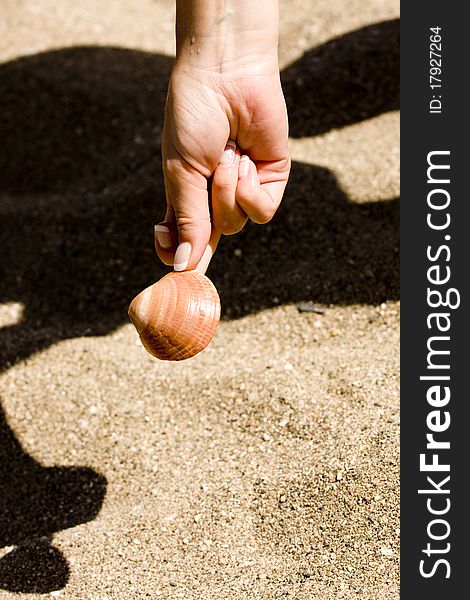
(186, 190)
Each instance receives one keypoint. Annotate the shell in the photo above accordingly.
(177, 316)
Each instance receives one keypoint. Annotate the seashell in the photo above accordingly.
(177, 316)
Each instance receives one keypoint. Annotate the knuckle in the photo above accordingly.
(171, 167)
(223, 186)
(265, 215)
(189, 221)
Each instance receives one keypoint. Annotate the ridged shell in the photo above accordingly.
(177, 316)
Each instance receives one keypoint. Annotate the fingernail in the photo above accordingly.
(162, 233)
(182, 256)
(244, 166)
(205, 260)
(228, 155)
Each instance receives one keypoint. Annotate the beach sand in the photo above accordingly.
(267, 466)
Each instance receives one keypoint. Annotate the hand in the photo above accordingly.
(225, 132)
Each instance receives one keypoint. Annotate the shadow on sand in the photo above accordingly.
(35, 502)
(80, 190)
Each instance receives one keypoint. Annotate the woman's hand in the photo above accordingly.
(225, 133)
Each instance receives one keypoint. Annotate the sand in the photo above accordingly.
(268, 466)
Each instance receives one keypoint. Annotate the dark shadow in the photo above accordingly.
(79, 119)
(319, 247)
(81, 187)
(350, 78)
(35, 502)
(34, 567)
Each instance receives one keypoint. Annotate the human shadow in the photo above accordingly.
(80, 189)
(35, 502)
(350, 78)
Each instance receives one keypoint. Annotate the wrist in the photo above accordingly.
(226, 34)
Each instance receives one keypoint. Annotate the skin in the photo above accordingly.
(225, 138)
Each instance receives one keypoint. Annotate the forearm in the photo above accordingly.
(220, 33)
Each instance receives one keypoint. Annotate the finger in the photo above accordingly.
(228, 217)
(209, 251)
(186, 190)
(260, 199)
(166, 237)
(167, 254)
